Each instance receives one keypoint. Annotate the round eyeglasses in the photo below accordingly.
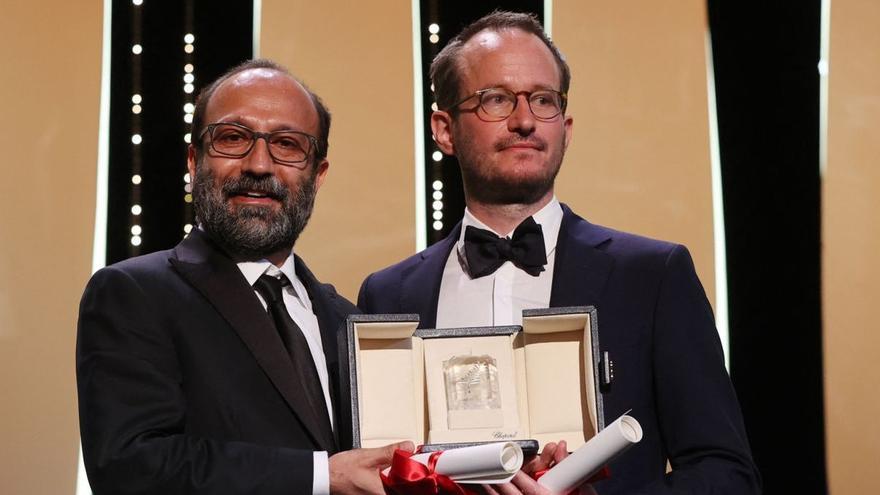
(499, 103)
(286, 147)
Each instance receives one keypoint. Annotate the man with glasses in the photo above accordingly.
(501, 88)
(212, 367)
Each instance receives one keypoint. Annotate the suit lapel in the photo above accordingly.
(581, 269)
(420, 288)
(329, 321)
(213, 274)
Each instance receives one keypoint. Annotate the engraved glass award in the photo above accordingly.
(473, 393)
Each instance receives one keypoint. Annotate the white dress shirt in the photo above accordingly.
(499, 298)
(299, 306)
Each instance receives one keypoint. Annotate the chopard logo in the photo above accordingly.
(504, 436)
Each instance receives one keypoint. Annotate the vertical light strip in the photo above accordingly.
(824, 69)
(419, 129)
(721, 310)
(548, 17)
(99, 242)
(258, 13)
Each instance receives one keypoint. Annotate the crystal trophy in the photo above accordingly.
(473, 395)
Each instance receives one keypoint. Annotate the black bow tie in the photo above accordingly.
(486, 252)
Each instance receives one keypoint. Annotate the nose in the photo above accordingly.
(258, 161)
(522, 120)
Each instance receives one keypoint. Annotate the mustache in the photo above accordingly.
(535, 141)
(267, 184)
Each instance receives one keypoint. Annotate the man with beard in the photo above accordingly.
(212, 367)
(501, 87)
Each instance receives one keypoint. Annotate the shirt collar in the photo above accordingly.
(252, 270)
(549, 218)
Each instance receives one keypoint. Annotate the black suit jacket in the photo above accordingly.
(656, 322)
(184, 384)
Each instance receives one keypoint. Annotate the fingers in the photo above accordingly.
(383, 455)
(547, 455)
(561, 452)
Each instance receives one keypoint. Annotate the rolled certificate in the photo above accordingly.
(487, 463)
(598, 451)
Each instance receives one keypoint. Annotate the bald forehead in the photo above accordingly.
(264, 91)
(512, 48)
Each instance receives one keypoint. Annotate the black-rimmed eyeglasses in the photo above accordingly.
(233, 140)
(499, 103)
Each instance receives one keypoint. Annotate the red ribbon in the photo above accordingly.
(409, 477)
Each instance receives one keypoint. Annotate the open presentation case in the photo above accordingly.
(533, 384)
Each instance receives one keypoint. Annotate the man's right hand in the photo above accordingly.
(357, 471)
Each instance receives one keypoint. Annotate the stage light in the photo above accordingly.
(437, 205)
(136, 139)
(188, 198)
(136, 109)
(434, 29)
(136, 179)
(187, 228)
(188, 78)
(189, 38)
(135, 230)
(188, 108)
(438, 195)
(186, 178)
(137, 2)
(433, 38)
(187, 138)
(136, 99)
(188, 88)
(188, 48)
(188, 118)
(438, 215)
(437, 156)
(136, 210)
(135, 240)
(137, 49)
(434, 106)
(437, 185)
(188, 68)
(438, 225)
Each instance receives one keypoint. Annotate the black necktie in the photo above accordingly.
(295, 342)
(486, 252)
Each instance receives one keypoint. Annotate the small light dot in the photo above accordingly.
(136, 179)
(135, 230)
(187, 228)
(188, 48)
(437, 205)
(188, 78)
(136, 139)
(188, 88)
(137, 2)
(437, 156)
(187, 138)
(188, 188)
(437, 185)
(188, 118)
(189, 38)
(136, 210)
(137, 49)
(433, 38)
(188, 68)
(136, 98)
(189, 107)
(438, 215)
(135, 109)
(186, 178)
(188, 198)
(438, 225)
(434, 28)
(432, 87)
(438, 195)
(135, 240)
(434, 106)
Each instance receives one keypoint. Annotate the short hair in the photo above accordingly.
(198, 122)
(445, 69)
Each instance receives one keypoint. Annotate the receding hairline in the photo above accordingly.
(473, 44)
(269, 74)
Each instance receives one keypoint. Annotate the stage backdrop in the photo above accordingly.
(51, 57)
(851, 240)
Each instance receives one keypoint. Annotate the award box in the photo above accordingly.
(536, 383)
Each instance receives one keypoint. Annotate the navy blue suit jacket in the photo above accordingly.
(184, 383)
(655, 320)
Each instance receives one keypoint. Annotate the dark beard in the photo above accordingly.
(252, 232)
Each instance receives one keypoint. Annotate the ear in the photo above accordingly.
(441, 126)
(191, 162)
(321, 173)
(568, 122)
